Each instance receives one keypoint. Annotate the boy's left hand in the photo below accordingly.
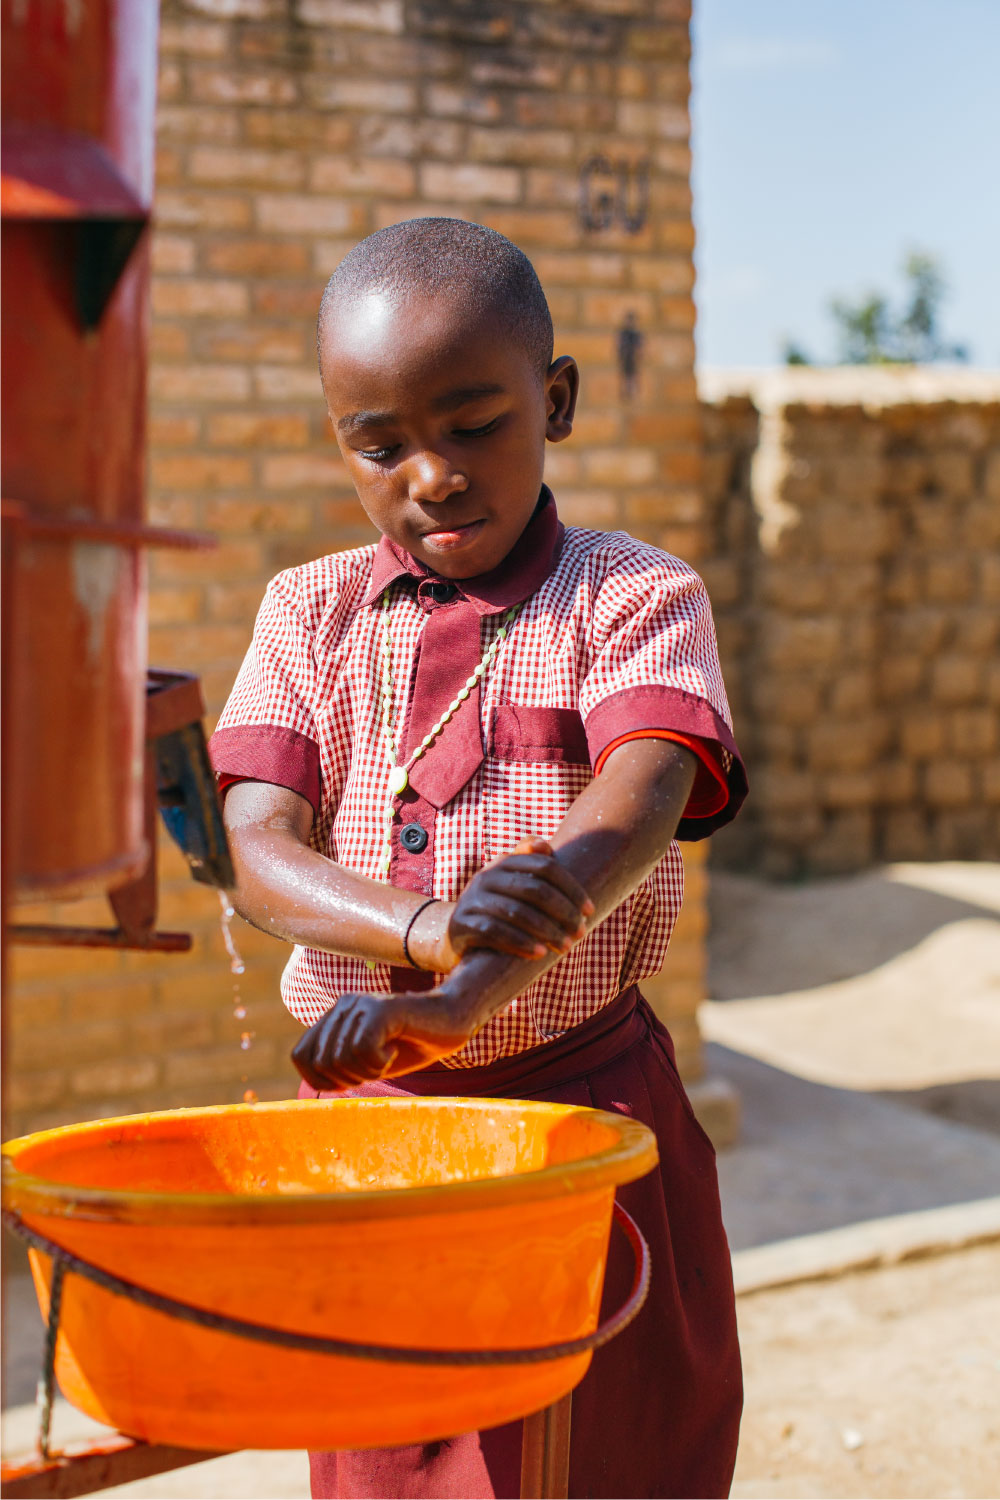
(377, 1036)
(525, 904)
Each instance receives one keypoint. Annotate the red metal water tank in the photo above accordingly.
(78, 120)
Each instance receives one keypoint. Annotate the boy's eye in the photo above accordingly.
(476, 431)
(379, 455)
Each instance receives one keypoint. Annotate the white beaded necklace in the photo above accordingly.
(399, 776)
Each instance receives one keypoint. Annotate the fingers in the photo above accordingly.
(492, 921)
(522, 894)
(315, 1078)
(536, 894)
(525, 904)
(307, 1051)
(484, 930)
(350, 1045)
(543, 867)
(530, 845)
(372, 1036)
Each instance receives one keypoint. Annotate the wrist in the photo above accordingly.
(462, 1003)
(481, 985)
(427, 938)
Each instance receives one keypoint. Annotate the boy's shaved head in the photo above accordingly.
(481, 269)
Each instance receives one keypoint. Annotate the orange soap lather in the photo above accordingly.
(427, 1223)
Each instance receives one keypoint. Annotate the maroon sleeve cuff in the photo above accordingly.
(266, 752)
(670, 708)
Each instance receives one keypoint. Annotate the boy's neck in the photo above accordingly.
(525, 568)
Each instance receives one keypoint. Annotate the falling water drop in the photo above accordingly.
(236, 968)
(236, 964)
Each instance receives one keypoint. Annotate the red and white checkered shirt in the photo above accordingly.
(613, 638)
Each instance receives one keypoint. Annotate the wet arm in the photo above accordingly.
(527, 904)
(617, 830)
(287, 889)
(615, 833)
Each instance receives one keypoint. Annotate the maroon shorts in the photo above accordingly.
(658, 1412)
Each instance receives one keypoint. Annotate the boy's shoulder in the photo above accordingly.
(337, 581)
(603, 555)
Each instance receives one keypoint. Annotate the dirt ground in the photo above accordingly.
(860, 1019)
(883, 1383)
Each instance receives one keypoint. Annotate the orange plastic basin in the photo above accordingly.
(429, 1223)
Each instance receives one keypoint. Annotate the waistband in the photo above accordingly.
(595, 1042)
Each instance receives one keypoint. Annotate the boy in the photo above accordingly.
(484, 681)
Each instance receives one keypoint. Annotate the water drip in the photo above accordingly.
(236, 964)
(236, 968)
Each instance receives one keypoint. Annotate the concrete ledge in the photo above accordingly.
(866, 1245)
(850, 385)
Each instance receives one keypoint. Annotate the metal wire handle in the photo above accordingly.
(64, 1261)
(46, 1380)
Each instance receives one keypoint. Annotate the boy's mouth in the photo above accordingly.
(452, 536)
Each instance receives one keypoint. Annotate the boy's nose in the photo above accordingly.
(433, 478)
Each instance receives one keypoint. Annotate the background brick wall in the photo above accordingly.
(855, 569)
(287, 130)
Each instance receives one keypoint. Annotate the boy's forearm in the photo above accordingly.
(615, 833)
(285, 888)
(305, 898)
(617, 830)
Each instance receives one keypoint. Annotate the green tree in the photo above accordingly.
(794, 354)
(870, 332)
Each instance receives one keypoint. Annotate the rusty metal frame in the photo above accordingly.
(121, 533)
(40, 935)
(83, 1468)
(545, 1452)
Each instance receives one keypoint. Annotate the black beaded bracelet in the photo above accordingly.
(431, 901)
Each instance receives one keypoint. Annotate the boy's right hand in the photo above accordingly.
(526, 903)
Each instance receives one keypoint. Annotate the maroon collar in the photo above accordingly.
(525, 568)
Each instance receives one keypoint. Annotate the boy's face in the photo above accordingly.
(442, 421)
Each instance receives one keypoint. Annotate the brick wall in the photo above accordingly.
(288, 129)
(855, 568)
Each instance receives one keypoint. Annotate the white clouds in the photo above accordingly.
(776, 54)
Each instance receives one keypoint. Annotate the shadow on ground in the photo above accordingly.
(812, 1157)
(970, 1101)
(769, 939)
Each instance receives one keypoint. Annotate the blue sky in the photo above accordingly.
(830, 137)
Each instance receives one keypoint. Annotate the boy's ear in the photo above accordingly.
(562, 386)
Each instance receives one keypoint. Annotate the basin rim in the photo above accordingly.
(27, 1194)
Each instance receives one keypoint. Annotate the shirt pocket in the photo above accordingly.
(520, 732)
(537, 764)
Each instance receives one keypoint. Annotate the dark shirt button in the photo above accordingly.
(413, 838)
(441, 592)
